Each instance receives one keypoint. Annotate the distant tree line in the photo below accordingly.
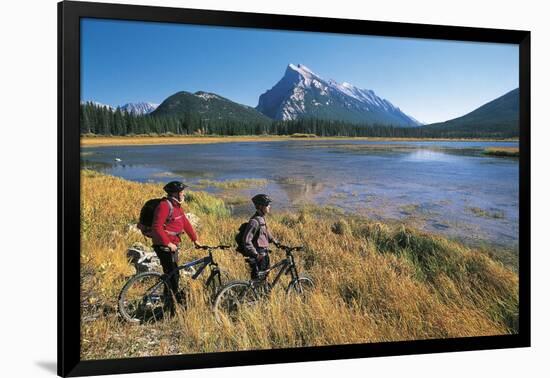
(99, 120)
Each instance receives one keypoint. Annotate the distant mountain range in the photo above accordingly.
(499, 115)
(139, 108)
(303, 94)
(98, 104)
(136, 108)
(207, 106)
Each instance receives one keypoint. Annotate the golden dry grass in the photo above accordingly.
(98, 141)
(374, 282)
(175, 139)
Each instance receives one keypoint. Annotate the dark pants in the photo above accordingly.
(256, 266)
(169, 262)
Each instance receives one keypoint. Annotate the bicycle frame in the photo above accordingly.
(236, 293)
(285, 266)
(202, 264)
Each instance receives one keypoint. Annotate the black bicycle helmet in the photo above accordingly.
(261, 200)
(174, 187)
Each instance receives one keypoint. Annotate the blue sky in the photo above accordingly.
(127, 61)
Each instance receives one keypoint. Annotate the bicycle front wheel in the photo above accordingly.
(144, 298)
(303, 286)
(232, 298)
(216, 282)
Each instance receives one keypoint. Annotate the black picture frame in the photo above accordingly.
(69, 14)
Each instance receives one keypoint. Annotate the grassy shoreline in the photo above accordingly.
(375, 282)
(99, 141)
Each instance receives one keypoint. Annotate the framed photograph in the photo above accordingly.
(240, 188)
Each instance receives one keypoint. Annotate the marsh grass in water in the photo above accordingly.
(486, 213)
(409, 209)
(375, 282)
(290, 180)
(233, 184)
(340, 195)
(502, 151)
(232, 199)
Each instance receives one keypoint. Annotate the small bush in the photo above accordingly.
(304, 217)
(341, 227)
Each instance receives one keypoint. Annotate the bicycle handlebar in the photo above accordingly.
(289, 248)
(206, 247)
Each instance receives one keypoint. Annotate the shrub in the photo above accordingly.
(341, 227)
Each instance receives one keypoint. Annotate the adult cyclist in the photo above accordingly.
(169, 222)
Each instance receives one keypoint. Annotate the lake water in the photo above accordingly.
(444, 187)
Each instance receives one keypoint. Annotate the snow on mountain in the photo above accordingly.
(99, 104)
(138, 108)
(301, 93)
(206, 95)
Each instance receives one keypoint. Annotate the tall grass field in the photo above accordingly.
(375, 282)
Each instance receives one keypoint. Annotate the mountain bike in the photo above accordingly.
(236, 295)
(147, 297)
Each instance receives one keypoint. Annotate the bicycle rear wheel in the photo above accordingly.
(232, 298)
(143, 299)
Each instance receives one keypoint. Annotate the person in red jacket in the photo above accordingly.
(169, 222)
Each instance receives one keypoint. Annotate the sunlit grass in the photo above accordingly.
(152, 138)
(374, 282)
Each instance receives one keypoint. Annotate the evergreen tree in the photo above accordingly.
(104, 121)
